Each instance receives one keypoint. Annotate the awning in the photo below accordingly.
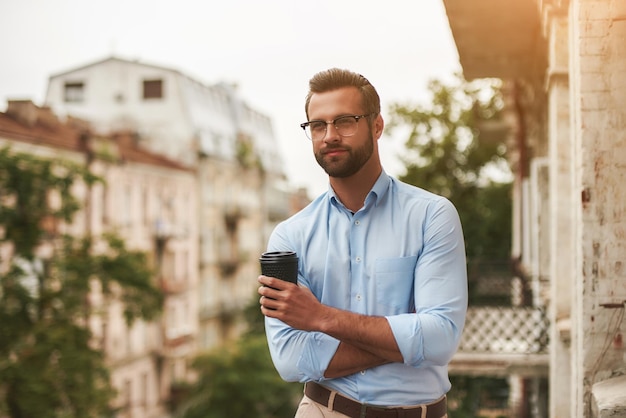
(498, 38)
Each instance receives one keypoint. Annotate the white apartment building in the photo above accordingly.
(151, 202)
(241, 185)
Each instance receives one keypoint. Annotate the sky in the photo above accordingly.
(268, 48)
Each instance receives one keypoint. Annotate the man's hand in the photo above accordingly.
(295, 305)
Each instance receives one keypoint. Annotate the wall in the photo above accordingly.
(598, 82)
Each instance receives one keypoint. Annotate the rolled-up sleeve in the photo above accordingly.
(299, 356)
(431, 335)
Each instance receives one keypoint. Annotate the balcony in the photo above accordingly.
(172, 287)
(177, 341)
(499, 341)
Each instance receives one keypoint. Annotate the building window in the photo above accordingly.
(74, 92)
(153, 89)
(127, 395)
(105, 205)
(127, 215)
(145, 206)
(144, 389)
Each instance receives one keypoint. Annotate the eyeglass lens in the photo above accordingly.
(345, 126)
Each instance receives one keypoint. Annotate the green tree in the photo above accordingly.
(50, 365)
(454, 145)
(238, 380)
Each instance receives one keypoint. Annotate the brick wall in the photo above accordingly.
(599, 91)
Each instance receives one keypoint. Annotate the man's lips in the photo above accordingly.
(334, 151)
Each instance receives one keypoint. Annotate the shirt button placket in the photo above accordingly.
(356, 247)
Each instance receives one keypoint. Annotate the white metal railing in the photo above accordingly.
(505, 330)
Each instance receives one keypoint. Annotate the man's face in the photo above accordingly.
(339, 156)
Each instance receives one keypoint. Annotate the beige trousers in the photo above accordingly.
(310, 409)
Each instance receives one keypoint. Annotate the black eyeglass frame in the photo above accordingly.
(327, 122)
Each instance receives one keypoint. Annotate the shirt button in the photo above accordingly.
(358, 297)
(357, 222)
(358, 259)
(363, 372)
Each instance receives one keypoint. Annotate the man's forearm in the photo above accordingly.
(368, 333)
(350, 359)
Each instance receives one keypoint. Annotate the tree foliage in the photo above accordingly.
(473, 394)
(238, 380)
(50, 365)
(453, 146)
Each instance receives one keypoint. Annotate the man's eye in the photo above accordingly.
(344, 122)
(317, 126)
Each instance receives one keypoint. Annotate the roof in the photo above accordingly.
(28, 123)
(216, 133)
(48, 131)
(113, 58)
(498, 38)
(129, 150)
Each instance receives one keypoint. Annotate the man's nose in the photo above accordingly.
(331, 133)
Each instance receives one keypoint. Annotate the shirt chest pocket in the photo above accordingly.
(394, 284)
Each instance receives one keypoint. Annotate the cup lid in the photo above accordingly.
(278, 254)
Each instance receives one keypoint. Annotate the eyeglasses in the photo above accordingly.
(345, 125)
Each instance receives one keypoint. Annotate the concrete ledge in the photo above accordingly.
(609, 398)
(499, 364)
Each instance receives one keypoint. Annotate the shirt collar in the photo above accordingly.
(380, 189)
(375, 195)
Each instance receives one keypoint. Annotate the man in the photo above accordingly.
(382, 285)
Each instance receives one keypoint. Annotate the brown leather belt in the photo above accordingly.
(354, 409)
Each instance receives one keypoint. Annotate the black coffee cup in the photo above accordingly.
(280, 264)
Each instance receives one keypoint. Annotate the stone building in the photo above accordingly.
(563, 65)
(242, 191)
(145, 198)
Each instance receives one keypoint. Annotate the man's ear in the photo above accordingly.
(379, 124)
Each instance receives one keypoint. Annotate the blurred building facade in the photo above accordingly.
(144, 198)
(242, 191)
(562, 63)
(194, 178)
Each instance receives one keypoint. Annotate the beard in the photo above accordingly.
(342, 167)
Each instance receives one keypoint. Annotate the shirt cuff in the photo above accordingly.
(406, 329)
(316, 355)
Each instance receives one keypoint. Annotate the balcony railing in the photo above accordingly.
(505, 330)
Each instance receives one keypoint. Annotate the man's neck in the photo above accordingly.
(353, 190)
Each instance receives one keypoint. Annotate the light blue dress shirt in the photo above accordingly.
(400, 256)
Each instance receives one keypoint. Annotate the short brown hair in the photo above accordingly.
(336, 78)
